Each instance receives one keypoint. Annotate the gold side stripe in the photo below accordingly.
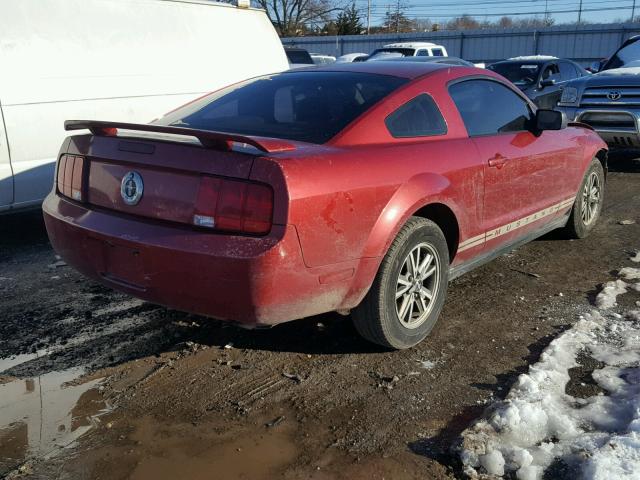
(480, 241)
(510, 227)
(472, 240)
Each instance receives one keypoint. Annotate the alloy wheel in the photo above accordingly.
(416, 285)
(590, 198)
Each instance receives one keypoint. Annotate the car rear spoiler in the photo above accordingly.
(208, 139)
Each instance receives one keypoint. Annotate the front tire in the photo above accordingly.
(409, 290)
(588, 205)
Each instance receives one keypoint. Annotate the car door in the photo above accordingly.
(6, 174)
(568, 71)
(525, 174)
(548, 95)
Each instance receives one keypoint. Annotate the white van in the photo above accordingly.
(409, 49)
(125, 60)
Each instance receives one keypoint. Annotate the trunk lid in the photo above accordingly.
(149, 174)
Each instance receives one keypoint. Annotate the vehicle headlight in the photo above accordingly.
(569, 95)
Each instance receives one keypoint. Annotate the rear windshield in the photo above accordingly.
(305, 106)
(624, 56)
(299, 57)
(392, 52)
(518, 73)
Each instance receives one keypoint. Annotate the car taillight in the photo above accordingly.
(233, 206)
(70, 177)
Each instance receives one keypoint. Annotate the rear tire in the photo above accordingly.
(588, 204)
(409, 290)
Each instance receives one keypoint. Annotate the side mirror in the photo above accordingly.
(595, 67)
(547, 82)
(550, 120)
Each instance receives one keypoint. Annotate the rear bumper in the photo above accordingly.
(249, 280)
(618, 127)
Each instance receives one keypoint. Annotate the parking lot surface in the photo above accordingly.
(95, 384)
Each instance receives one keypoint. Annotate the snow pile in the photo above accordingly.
(610, 291)
(629, 273)
(609, 294)
(539, 425)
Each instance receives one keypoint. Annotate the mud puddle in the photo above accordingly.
(41, 415)
(15, 360)
(149, 448)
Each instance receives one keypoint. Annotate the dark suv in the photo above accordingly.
(609, 101)
(540, 78)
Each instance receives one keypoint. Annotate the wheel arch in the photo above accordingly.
(603, 156)
(446, 219)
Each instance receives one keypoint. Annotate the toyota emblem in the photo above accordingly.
(131, 188)
(614, 95)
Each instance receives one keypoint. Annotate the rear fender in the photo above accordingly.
(403, 204)
(594, 147)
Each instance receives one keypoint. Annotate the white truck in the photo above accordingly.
(125, 60)
(409, 49)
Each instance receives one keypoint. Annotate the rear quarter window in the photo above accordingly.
(300, 57)
(419, 117)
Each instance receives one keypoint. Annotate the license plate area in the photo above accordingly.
(124, 265)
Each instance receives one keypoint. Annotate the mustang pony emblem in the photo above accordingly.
(131, 188)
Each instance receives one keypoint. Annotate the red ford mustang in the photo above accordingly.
(359, 187)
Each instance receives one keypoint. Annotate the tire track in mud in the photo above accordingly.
(104, 335)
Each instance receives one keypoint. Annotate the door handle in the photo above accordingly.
(498, 161)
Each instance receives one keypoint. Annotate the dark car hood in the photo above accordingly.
(619, 77)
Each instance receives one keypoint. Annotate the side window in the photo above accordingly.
(422, 53)
(567, 71)
(478, 100)
(437, 52)
(551, 71)
(419, 117)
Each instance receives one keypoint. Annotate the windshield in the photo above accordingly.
(624, 56)
(520, 74)
(392, 52)
(307, 106)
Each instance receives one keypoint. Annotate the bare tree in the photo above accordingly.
(423, 25)
(465, 22)
(395, 19)
(292, 17)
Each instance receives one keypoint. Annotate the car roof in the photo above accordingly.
(424, 59)
(408, 70)
(534, 57)
(538, 61)
(517, 62)
(410, 45)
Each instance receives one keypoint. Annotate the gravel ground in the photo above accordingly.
(165, 394)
